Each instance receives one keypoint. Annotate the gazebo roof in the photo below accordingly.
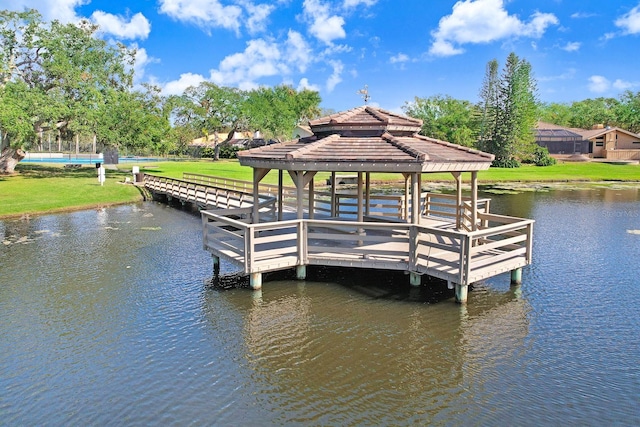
(367, 139)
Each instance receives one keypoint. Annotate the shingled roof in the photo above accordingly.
(366, 139)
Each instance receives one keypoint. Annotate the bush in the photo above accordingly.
(505, 163)
(541, 157)
(225, 151)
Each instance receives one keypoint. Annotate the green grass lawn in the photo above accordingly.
(40, 189)
(48, 188)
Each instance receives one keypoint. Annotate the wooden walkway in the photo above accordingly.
(436, 247)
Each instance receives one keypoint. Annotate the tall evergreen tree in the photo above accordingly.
(489, 106)
(509, 111)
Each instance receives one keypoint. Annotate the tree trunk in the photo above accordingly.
(9, 158)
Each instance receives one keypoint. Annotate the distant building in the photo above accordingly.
(611, 143)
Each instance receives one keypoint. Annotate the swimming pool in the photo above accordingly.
(86, 160)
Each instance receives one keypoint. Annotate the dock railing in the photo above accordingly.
(457, 256)
(391, 206)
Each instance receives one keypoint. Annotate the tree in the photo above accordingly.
(489, 105)
(509, 108)
(276, 111)
(65, 71)
(628, 111)
(446, 118)
(556, 113)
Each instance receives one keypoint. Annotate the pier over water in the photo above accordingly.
(262, 228)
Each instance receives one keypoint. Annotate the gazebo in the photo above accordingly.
(457, 242)
(365, 140)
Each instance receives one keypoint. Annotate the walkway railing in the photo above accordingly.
(207, 196)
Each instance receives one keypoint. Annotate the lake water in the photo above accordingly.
(107, 318)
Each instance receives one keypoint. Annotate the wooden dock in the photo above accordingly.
(443, 244)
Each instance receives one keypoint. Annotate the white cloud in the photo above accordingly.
(483, 21)
(62, 10)
(261, 58)
(582, 15)
(630, 22)
(625, 85)
(599, 84)
(399, 58)
(323, 26)
(336, 76)
(137, 27)
(572, 46)
(177, 87)
(206, 14)
(298, 51)
(258, 15)
(304, 84)
(567, 75)
(348, 4)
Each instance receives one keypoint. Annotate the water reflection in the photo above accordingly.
(324, 353)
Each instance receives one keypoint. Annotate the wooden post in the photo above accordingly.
(300, 193)
(216, 265)
(367, 194)
(301, 272)
(311, 199)
(474, 200)
(256, 195)
(333, 195)
(280, 194)
(415, 198)
(360, 211)
(406, 197)
(459, 209)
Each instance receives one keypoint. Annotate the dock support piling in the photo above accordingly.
(255, 281)
(516, 276)
(461, 293)
(301, 272)
(216, 266)
(415, 279)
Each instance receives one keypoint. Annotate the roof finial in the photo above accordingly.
(365, 94)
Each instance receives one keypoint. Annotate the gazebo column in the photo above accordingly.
(301, 179)
(367, 194)
(474, 200)
(334, 210)
(300, 193)
(360, 210)
(457, 176)
(415, 198)
(258, 174)
(406, 196)
(280, 194)
(311, 199)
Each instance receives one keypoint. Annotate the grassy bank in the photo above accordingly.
(46, 188)
(563, 172)
(39, 189)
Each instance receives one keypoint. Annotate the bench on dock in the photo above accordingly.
(72, 165)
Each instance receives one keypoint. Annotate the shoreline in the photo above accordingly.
(498, 187)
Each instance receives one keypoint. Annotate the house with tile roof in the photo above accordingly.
(603, 142)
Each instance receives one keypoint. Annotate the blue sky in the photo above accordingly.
(400, 49)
